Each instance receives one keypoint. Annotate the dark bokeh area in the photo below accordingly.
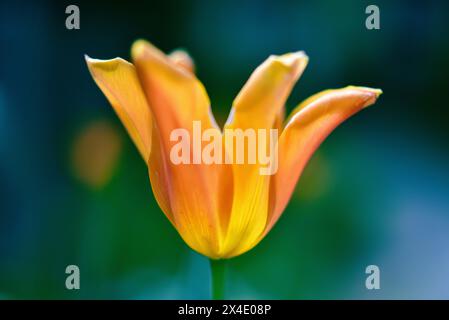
(74, 189)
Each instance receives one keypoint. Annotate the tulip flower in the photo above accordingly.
(221, 210)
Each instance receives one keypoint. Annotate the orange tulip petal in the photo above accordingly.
(266, 91)
(258, 106)
(177, 99)
(159, 176)
(118, 80)
(312, 122)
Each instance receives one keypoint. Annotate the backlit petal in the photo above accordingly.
(259, 105)
(265, 93)
(177, 99)
(118, 80)
(309, 125)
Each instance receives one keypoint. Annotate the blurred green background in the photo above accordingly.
(74, 189)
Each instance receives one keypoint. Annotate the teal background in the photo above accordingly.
(376, 192)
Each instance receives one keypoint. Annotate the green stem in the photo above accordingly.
(217, 269)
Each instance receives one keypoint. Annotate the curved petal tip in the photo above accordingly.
(142, 48)
(105, 65)
(294, 61)
(374, 93)
(183, 59)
